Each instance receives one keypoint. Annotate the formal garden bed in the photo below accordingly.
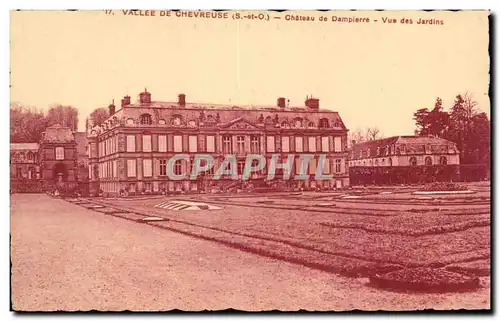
(425, 280)
(474, 268)
(430, 230)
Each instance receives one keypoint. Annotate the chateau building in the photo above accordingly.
(131, 149)
(52, 162)
(404, 159)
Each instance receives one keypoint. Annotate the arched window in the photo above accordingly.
(428, 161)
(413, 161)
(146, 119)
(178, 167)
(323, 123)
(130, 121)
(443, 160)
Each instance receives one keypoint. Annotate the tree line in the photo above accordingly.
(463, 124)
(28, 123)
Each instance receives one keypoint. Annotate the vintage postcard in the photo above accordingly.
(251, 160)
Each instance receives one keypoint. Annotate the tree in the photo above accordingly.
(356, 136)
(63, 115)
(463, 124)
(434, 122)
(26, 124)
(421, 121)
(360, 135)
(98, 116)
(372, 133)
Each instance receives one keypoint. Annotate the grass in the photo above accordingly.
(369, 238)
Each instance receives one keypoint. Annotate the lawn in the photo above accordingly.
(351, 237)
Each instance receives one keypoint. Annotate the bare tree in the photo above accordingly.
(359, 135)
(356, 136)
(373, 133)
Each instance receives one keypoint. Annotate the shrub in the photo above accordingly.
(444, 186)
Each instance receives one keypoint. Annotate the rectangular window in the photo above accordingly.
(163, 167)
(338, 164)
(147, 167)
(241, 167)
(240, 144)
(254, 144)
(162, 143)
(193, 144)
(337, 141)
(270, 144)
(298, 166)
(285, 144)
(115, 169)
(326, 166)
(325, 147)
(211, 144)
(146, 143)
(130, 143)
(227, 145)
(312, 143)
(312, 166)
(131, 168)
(178, 144)
(299, 144)
(59, 153)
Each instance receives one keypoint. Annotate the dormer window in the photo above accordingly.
(323, 123)
(146, 119)
(177, 121)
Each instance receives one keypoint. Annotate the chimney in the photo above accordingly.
(282, 102)
(112, 108)
(145, 97)
(182, 100)
(126, 101)
(312, 103)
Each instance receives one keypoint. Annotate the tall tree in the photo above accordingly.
(98, 116)
(421, 121)
(434, 122)
(26, 124)
(63, 115)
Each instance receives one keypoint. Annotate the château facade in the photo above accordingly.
(131, 149)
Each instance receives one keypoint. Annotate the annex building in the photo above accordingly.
(404, 160)
(130, 150)
(50, 163)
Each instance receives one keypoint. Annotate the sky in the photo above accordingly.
(374, 74)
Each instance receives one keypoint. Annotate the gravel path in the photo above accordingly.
(65, 257)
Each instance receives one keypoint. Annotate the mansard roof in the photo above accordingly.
(410, 144)
(162, 113)
(58, 134)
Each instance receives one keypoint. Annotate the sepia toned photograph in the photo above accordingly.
(192, 160)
